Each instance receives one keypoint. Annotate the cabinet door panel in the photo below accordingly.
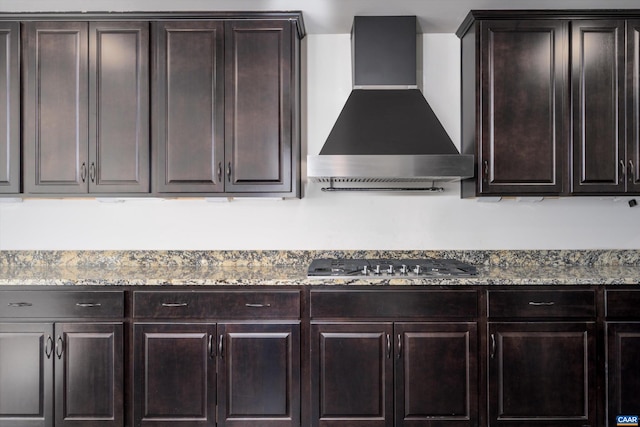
(623, 356)
(119, 116)
(542, 374)
(633, 105)
(9, 107)
(598, 106)
(26, 375)
(352, 375)
(189, 103)
(258, 106)
(436, 374)
(89, 375)
(55, 107)
(523, 91)
(259, 375)
(174, 375)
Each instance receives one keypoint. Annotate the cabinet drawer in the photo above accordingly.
(403, 304)
(217, 304)
(552, 303)
(623, 303)
(58, 303)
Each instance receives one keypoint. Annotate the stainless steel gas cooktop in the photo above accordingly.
(385, 268)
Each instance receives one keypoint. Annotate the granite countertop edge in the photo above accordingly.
(289, 267)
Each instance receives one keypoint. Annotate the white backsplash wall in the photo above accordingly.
(331, 221)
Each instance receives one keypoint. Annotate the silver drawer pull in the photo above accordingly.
(538, 304)
(257, 305)
(20, 304)
(175, 304)
(88, 304)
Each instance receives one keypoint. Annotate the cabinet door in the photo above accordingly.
(351, 375)
(436, 374)
(623, 356)
(598, 86)
(9, 107)
(26, 375)
(175, 375)
(55, 107)
(523, 71)
(89, 361)
(542, 374)
(119, 107)
(633, 106)
(189, 106)
(259, 375)
(259, 88)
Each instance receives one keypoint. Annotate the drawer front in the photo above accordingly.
(388, 304)
(551, 303)
(59, 303)
(217, 304)
(623, 303)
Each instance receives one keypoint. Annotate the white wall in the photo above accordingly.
(331, 221)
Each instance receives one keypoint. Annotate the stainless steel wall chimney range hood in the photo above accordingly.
(387, 132)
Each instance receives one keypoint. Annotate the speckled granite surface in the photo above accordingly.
(288, 268)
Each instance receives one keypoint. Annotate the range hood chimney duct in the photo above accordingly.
(387, 132)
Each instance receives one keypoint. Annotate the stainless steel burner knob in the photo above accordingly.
(376, 270)
(390, 269)
(404, 269)
(417, 269)
(365, 270)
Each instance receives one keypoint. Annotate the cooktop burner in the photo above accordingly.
(353, 268)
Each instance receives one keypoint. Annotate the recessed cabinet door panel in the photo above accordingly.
(436, 374)
(26, 375)
(55, 107)
(258, 106)
(633, 106)
(259, 375)
(352, 375)
(523, 91)
(119, 109)
(9, 107)
(542, 374)
(623, 355)
(175, 375)
(189, 106)
(598, 106)
(89, 361)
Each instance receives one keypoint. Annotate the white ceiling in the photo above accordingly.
(326, 16)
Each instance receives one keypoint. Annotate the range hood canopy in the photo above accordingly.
(387, 132)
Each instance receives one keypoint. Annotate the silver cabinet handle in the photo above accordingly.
(493, 346)
(388, 346)
(210, 345)
(542, 303)
(623, 171)
(20, 304)
(257, 305)
(229, 171)
(399, 346)
(48, 347)
(59, 347)
(175, 304)
(631, 171)
(88, 304)
(83, 172)
(221, 346)
(92, 172)
(219, 171)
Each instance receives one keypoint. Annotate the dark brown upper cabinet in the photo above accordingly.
(522, 88)
(226, 118)
(9, 107)
(598, 91)
(555, 107)
(86, 101)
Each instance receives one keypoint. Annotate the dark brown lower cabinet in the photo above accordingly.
(623, 356)
(79, 366)
(358, 369)
(257, 381)
(542, 374)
